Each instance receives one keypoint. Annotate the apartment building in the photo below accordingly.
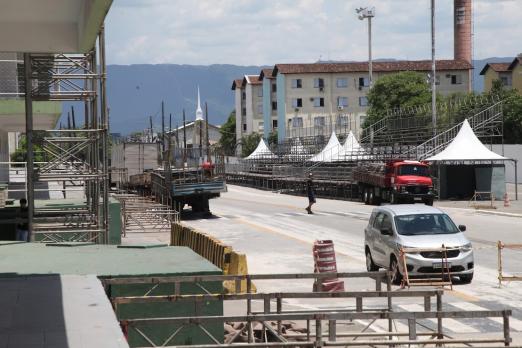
(509, 73)
(249, 105)
(318, 96)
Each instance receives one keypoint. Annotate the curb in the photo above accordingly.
(482, 211)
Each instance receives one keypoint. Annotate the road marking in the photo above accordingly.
(452, 324)
(513, 323)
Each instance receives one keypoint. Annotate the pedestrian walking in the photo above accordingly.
(310, 190)
(22, 229)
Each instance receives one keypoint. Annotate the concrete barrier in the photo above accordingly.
(221, 255)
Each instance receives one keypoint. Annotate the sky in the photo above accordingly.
(266, 32)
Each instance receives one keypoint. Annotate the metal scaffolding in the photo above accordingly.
(74, 155)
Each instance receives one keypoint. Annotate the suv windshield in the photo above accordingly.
(422, 224)
(413, 170)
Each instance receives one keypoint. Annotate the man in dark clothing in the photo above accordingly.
(22, 229)
(310, 190)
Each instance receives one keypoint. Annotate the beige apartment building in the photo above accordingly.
(314, 99)
(249, 105)
(509, 73)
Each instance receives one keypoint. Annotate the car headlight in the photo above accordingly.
(466, 247)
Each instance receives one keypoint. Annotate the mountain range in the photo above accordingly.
(135, 92)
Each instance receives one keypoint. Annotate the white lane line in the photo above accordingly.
(452, 324)
(513, 323)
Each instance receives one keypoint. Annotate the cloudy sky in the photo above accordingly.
(265, 32)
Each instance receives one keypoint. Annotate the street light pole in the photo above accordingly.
(369, 13)
(433, 71)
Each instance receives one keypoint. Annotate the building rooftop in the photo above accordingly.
(391, 66)
(237, 84)
(266, 73)
(251, 79)
(498, 67)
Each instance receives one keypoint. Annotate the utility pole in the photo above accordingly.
(151, 134)
(73, 118)
(162, 128)
(368, 13)
(206, 131)
(170, 122)
(184, 140)
(433, 71)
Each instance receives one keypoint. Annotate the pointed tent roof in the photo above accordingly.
(351, 149)
(199, 112)
(261, 152)
(466, 147)
(330, 152)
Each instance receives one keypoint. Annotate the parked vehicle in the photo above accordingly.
(395, 182)
(392, 227)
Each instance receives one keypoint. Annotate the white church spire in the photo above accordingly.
(199, 112)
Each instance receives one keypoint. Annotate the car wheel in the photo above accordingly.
(370, 266)
(466, 278)
(396, 276)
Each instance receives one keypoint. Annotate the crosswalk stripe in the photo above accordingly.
(513, 322)
(452, 324)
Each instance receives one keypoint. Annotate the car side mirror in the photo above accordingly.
(386, 231)
(462, 228)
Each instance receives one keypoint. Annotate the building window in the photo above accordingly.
(243, 95)
(274, 124)
(363, 82)
(319, 83)
(341, 120)
(456, 79)
(342, 83)
(319, 121)
(274, 105)
(297, 83)
(260, 108)
(243, 112)
(363, 101)
(297, 103)
(506, 81)
(318, 102)
(274, 87)
(244, 127)
(260, 92)
(342, 102)
(297, 122)
(362, 120)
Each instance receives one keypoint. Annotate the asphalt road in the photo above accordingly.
(277, 236)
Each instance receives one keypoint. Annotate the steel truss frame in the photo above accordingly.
(78, 156)
(331, 316)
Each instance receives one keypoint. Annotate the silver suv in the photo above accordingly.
(392, 227)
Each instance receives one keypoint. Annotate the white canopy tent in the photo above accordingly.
(261, 152)
(467, 161)
(330, 152)
(351, 149)
(466, 147)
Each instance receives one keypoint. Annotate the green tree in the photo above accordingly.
(512, 108)
(227, 141)
(393, 91)
(249, 143)
(20, 154)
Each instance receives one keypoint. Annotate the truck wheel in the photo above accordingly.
(428, 201)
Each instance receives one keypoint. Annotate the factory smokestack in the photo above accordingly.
(462, 29)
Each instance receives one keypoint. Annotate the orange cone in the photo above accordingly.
(506, 200)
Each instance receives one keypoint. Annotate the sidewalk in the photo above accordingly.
(514, 209)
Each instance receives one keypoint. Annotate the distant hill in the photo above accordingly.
(135, 92)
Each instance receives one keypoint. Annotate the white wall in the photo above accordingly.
(513, 151)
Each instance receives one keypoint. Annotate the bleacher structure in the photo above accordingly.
(402, 134)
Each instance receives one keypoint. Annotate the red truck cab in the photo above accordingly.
(409, 181)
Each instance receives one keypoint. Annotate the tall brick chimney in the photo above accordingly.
(462, 29)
